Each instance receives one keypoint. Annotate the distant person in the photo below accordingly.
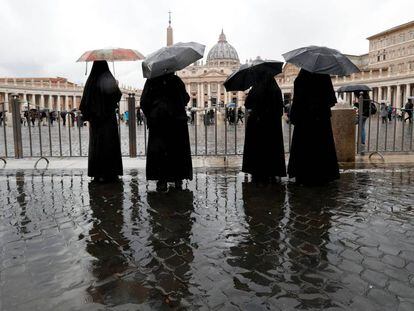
(368, 109)
(383, 113)
(1, 118)
(409, 111)
(264, 154)
(389, 112)
(163, 102)
(140, 118)
(240, 115)
(313, 156)
(63, 117)
(126, 117)
(99, 102)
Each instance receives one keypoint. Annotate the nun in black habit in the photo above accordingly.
(264, 155)
(313, 156)
(163, 102)
(99, 101)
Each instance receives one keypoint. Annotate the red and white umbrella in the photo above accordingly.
(111, 55)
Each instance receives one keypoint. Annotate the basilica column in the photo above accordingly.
(209, 94)
(198, 94)
(67, 102)
(202, 95)
(24, 100)
(380, 93)
(59, 106)
(74, 102)
(218, 94)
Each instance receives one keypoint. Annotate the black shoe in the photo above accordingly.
(162, 186)
(178, 184)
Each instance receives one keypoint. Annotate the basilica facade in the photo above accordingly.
(204, 80)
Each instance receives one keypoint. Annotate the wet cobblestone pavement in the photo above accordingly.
(220, 244)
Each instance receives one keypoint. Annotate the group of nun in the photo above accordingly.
(163, 101)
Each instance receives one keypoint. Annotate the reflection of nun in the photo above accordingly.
(313, 155)
(111, 249)
(261, 248)
(264, 155)
(99, 101)
(106, 233)
(171, 223)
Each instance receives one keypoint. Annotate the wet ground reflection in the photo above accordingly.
(222, 243)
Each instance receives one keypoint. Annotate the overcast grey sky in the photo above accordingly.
(45, 37)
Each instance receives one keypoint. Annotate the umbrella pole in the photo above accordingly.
(113, 67)
(86, 69)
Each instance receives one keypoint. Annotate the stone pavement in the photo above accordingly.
(223, 243)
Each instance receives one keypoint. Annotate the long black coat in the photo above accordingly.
(163, 102)
(313, 156)
(264, 154)
(99, 101)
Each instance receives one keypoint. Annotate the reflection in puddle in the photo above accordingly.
(221, 243)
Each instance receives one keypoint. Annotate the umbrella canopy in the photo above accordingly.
(171, 58)
(231, 105)
(245, 76)
(410, 97)
(113, 55)
(319, 59)
(353, 88)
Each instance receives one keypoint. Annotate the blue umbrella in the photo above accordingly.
(231, 105)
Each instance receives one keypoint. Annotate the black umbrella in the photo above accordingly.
(353, 88)
(319, 59)
(245, 76)
(171, 58)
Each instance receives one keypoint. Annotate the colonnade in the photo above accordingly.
(204, 94)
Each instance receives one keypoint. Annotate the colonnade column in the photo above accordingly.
(380, 93)
(24, 100)
(42, 101)
(407, 91)
(67, 102)
(59, 106)
(202, 95)
(398, 97)
(218, 94)
(389, 99)
(6, 102)
(74, 102)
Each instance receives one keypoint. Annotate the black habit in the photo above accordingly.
(163, 102)
(264, 154)
(99, 101)
(313, 156)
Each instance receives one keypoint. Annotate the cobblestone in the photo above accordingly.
(221, 244)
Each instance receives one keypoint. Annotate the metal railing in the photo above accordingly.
(389, 130)
(214, 131)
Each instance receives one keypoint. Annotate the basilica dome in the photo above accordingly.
(222, 53)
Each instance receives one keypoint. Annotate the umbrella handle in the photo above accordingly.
(86, 70)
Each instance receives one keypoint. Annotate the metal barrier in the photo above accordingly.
(390, 129)
(213, 131)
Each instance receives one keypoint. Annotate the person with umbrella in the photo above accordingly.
(63, 117)
(313, 156)
(263, 155)
(99, 101)
(163, 101)
(368, 109)
(409, 110)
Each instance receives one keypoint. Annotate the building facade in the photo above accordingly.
(55, 94)
(388, 68)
